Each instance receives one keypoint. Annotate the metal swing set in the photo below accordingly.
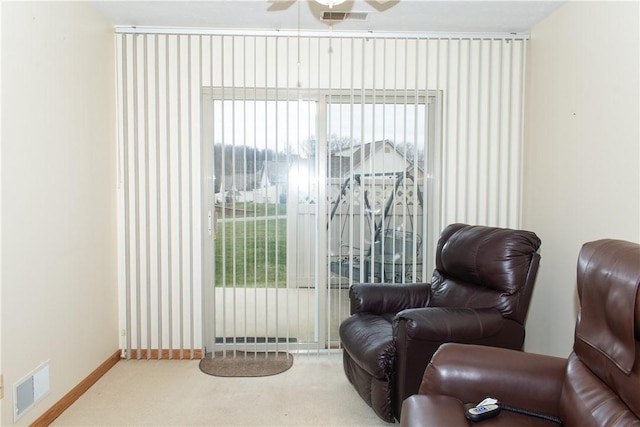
(392, 235)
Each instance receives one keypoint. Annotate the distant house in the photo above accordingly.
(265, 185)
(231, 187)
(372, 157)
(270, 182)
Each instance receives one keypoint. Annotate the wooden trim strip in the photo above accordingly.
(68, 399)
(166, 354)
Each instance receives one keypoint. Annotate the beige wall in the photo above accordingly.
(581, 155)
(59, 265)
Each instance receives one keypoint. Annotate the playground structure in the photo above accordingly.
(375, 229)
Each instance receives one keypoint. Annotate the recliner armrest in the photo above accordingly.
(472, 372)
(445, 324)
(432, 411)
(380, 298)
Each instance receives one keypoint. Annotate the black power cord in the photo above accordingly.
(531, 413)
(491, 407)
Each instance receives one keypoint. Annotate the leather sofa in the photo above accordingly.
(479, 294)
(599, 383)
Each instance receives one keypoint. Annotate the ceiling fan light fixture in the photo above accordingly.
(330, 3)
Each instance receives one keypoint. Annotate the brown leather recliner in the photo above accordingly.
(479, 294)
(598, 385)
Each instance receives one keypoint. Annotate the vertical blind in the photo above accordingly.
(345, 108)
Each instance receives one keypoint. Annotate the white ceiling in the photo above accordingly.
(450, 16)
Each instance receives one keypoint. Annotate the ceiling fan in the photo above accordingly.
(379, 5)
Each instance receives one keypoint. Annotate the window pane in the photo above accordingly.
(279, 126)
(376, 167)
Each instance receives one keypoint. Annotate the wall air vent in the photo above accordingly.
(30, 390)
(331, 15)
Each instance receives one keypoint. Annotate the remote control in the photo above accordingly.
(479, 413)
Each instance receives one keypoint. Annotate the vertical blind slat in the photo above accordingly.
(159, 211)
(147, 200)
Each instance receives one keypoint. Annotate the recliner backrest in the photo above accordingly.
(607, 335)
(484, 267)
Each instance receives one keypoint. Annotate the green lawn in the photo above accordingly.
(255, 251)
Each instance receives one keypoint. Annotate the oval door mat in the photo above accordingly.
(245, 364)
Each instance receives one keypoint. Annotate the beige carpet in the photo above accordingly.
(314, 392)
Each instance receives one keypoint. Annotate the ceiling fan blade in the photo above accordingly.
(278, 5)
(382, 5)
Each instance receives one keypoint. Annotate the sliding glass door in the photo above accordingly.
(290, 180)
(251, 152)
